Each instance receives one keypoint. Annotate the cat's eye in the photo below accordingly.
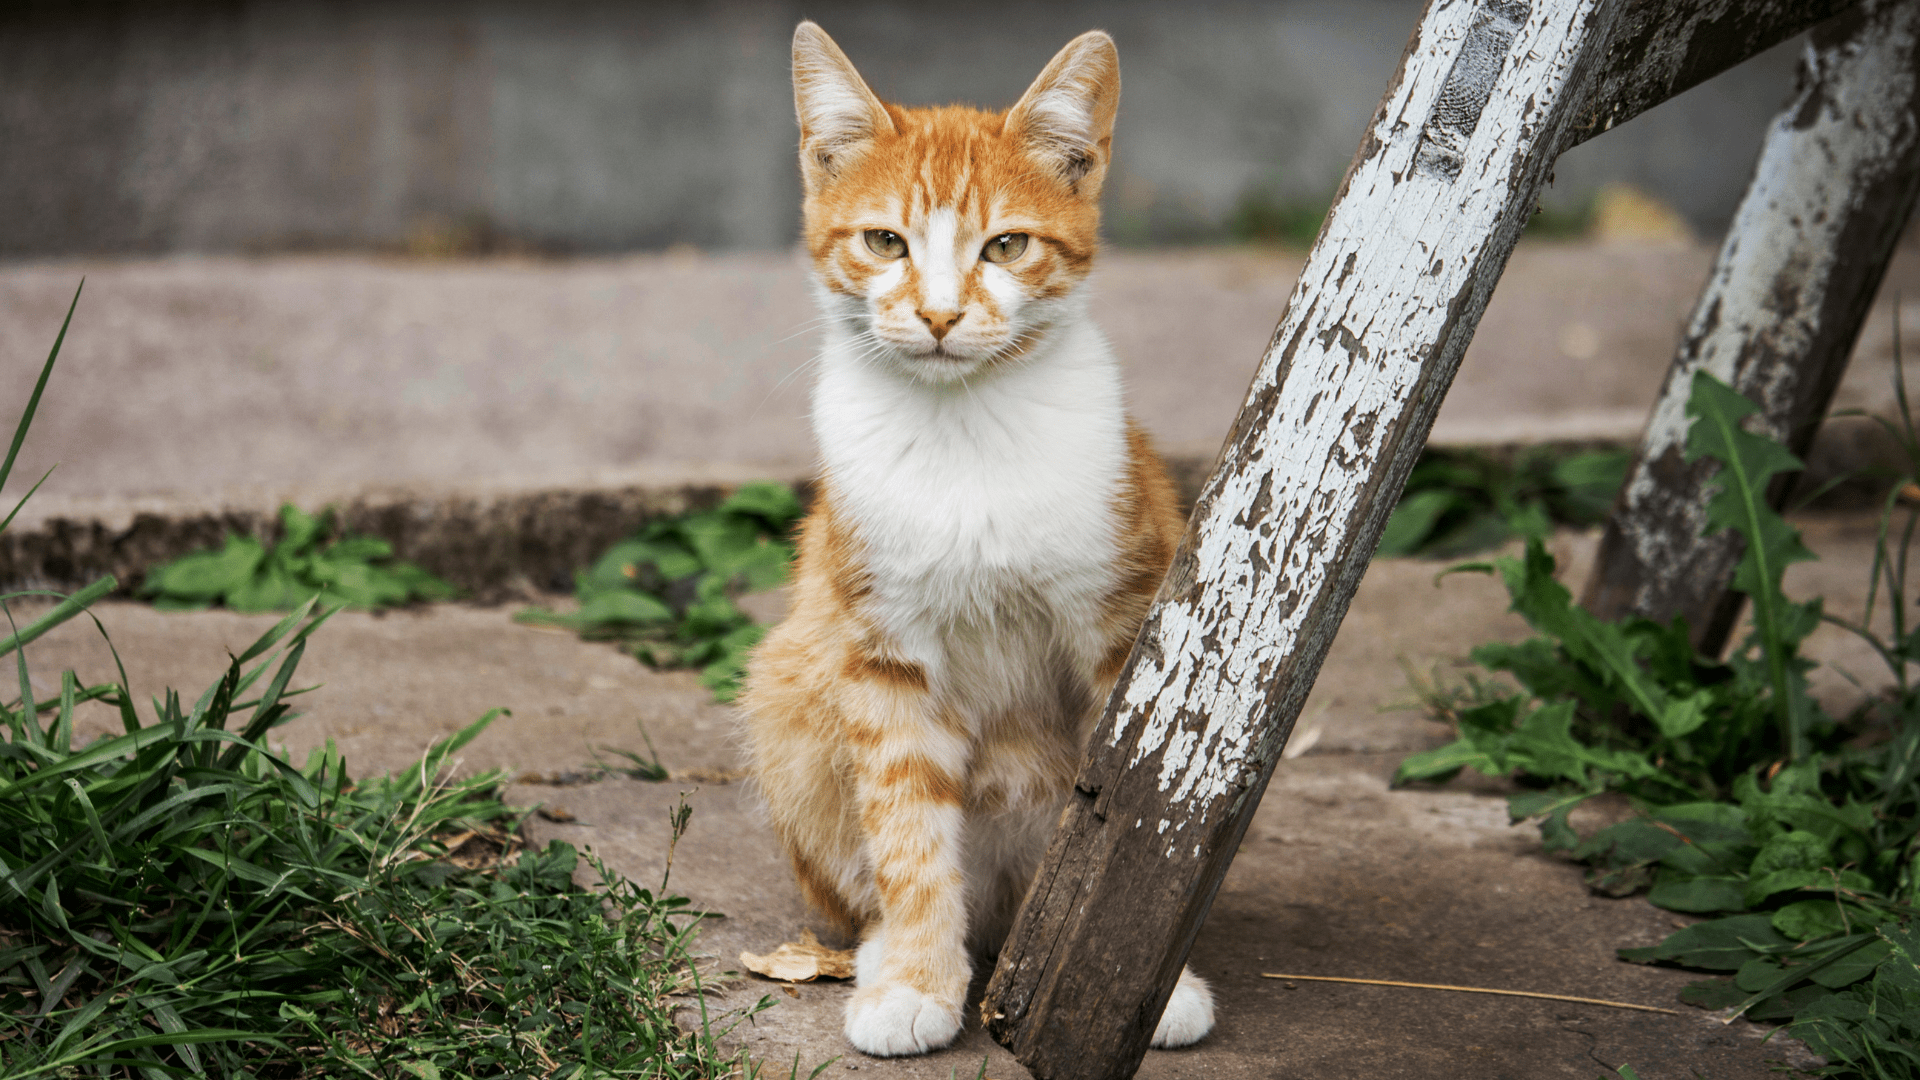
(1004, 248)
(887, 245)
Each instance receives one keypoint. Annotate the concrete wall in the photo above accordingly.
(607, 125)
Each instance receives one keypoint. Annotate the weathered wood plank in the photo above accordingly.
(1663, 47)
(1778, 319)
(1446, 177)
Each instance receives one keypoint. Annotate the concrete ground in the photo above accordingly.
(226, 382)
(1338, 875)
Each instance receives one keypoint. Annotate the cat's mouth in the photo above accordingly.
(941, 363)
(1014, 347)
(940, 352)
(947, 359)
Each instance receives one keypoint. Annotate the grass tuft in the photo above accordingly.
(179, 899)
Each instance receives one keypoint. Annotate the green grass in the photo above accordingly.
(667, 594)
(1794, 833)
(311, 559)
(180, 899)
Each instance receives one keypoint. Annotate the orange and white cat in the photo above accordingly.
(988, 532)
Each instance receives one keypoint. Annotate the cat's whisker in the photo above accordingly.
(1019, 348)
(805, 365)
(815, 361)
(806, 326)
(875, 346)
(811, 362)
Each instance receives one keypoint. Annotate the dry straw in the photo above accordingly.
(1473, 990)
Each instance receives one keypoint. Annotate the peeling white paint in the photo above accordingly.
(1372, 307)
(1286, 525)
(1850, 119)
(1668, 38)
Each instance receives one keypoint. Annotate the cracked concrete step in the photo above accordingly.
(503, 420)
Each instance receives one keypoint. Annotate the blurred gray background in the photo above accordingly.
(316, 234)
(595, 126)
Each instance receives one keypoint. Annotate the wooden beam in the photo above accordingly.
(1446, 177)
(1661, 48)
(1486, 96)
(1778, 319)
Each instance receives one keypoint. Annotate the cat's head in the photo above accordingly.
(950, 239)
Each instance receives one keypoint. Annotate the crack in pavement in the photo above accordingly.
(1593, 1044)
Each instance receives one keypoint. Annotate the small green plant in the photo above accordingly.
(308, 560)
(1796, 830)
(667, 594)
(1458, 502)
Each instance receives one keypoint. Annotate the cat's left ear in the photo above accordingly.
(1065, 119)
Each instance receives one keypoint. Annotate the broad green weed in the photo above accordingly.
(1459, 502)
(666, 595)
(1794, 831)
(309, 560)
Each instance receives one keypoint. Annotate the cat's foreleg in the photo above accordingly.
(912, 969)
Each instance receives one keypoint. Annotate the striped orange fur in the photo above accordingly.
(986, 537)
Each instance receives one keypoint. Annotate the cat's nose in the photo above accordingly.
(939, 322)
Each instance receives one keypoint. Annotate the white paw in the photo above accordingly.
(1189, 1014)
(891, 1021)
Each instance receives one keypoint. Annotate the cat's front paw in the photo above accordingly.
(1189, 1014)
(893, 1020)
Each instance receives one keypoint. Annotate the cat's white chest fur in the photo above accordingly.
(985, 509)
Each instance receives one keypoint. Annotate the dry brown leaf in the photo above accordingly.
(801, 961)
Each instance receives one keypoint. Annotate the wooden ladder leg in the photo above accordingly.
(1446, 177)
(1778, 319)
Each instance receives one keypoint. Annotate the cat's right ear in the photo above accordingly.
(839, 115)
